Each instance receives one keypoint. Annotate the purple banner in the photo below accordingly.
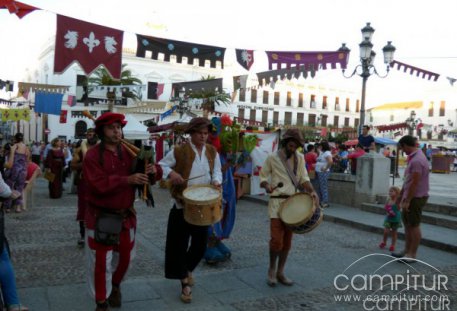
(307, 59)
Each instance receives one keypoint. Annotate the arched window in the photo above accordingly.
(80, 129)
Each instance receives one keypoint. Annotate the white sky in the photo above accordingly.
(423, 32)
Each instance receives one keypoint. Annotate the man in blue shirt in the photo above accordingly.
(366, 140)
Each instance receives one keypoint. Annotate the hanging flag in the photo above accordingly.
(16, 114)
(307, 60)
(25, 94)
(89, 44)
(50, 103)
(245, 58)
(63, 116)
(71, 100)
(160, 89)
(16, 7)
(180, 49)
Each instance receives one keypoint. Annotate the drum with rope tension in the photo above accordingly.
(202, 205)
(300, 213)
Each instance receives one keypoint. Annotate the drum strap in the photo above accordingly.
(289, 171)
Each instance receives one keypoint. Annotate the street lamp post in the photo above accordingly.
(366, 67)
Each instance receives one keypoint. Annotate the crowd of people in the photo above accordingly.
(105, 176)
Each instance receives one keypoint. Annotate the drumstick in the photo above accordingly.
(168, 182)
(193, 177)
(279, 185)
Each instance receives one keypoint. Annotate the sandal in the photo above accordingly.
(186, 298)
(284, 280)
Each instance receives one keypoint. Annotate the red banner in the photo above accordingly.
(91, 45)
(63, 116)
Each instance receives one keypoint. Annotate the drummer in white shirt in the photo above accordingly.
(192, 159)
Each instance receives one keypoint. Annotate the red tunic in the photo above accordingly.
(107, 185)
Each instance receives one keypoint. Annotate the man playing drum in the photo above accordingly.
(193, 163)
(286, 166)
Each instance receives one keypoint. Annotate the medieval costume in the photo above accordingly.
(107, 170)
(55, 162)
(286, 166)
(192, 159)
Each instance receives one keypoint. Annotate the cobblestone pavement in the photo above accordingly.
(43, 243)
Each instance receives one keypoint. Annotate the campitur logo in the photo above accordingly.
(379, 282)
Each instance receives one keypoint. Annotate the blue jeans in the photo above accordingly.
(7, 279)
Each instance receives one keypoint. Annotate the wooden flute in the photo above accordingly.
(131, 148)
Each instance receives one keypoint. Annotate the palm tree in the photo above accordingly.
(210, 97)
(102, 77)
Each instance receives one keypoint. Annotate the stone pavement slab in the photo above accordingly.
(51, 274)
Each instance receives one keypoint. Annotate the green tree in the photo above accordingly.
(101, 76)
(210, 98)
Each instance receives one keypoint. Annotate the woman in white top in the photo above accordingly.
(323, 165)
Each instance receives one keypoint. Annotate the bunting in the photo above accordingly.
(63, 116)
(16, 114)
(196, 86)
(91, 45)
(24, 87)
(308, 60)
(270, 77)
(391, 127)
(245, 58)
(418, 71)
(16, 7)
(181, 49)
(71, 100)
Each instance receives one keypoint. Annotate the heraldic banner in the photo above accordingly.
(15, 114)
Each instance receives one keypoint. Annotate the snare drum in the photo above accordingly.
(202, 205)
(300, 213)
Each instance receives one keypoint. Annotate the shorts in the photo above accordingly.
(280, 235)
(392, 225)
(413, 216)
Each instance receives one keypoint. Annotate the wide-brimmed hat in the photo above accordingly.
(109, 118)
(197, 124)
(295, 135)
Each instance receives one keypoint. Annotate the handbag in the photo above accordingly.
(108, 227)
(49, 176)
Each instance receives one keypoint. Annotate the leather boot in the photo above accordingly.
(102, 306)
(115, 298)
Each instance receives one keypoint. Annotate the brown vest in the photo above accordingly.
(185, 157)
